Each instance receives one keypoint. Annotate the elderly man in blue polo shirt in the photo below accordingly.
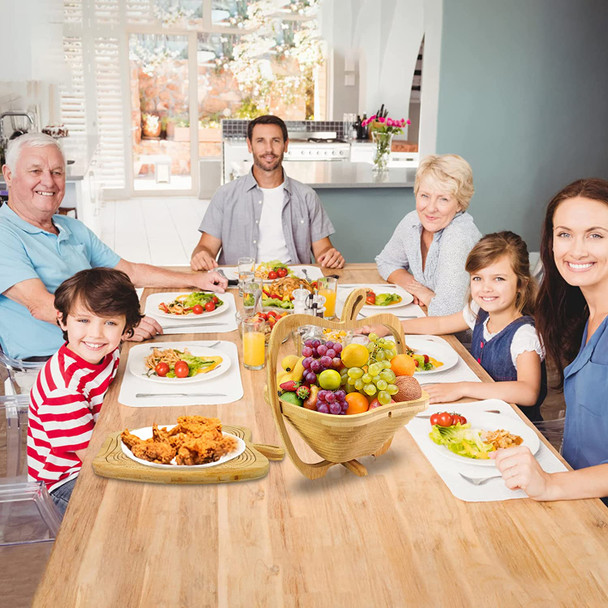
(265, 214)
(40, 250)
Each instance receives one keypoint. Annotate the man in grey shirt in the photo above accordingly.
(265, 213)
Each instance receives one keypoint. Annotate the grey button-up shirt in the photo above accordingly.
(444, 271)
(234, 214)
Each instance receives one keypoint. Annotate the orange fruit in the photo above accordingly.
(403, 365)
(357, 403)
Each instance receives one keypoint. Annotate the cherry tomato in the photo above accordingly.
(272, 275)
(281, 272)
(458, 419)
(181, 369)
(215, 300)
(370, 298)
(209, 306)
(434, 419)
(198, 309)
(426, 359)
(161, 369)
(444, 419)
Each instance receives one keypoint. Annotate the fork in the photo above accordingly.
(477, 481)
(305, 273)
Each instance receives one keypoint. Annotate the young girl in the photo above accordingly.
(505, 342)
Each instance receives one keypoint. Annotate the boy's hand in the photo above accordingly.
(148, 328)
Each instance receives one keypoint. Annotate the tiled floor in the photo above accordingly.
(160, 231)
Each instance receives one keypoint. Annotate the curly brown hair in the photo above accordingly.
(104, 291)
(561, 309)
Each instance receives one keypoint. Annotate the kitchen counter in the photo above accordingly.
(345, 174)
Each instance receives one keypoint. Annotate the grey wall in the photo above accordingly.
(524, 98)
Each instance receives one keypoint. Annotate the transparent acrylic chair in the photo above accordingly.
(18, 376)
(27, 512)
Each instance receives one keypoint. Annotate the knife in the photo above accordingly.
(231, 282)
(145, 395)
(362, 285)
(193, 327)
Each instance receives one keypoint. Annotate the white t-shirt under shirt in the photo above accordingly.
(524, 340)
(271, 240)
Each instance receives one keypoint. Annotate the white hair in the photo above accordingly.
(29, 140)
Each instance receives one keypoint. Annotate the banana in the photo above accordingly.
(298, 371)
(296, 374)
(289, 362)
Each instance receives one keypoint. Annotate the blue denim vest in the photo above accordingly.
(495, 357)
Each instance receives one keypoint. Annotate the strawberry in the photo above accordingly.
(290, 386)
(303, 392)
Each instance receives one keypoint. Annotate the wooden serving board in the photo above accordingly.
(253, 463)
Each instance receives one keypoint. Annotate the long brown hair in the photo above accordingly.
(496, 245)
(561, 309)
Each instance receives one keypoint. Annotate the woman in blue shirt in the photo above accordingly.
(572, 318)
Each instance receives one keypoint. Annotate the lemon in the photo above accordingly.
(354, 355)
(330, 379)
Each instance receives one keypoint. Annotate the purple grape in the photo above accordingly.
(331, 397)
(315, 366)
(331, 353)
(323, 408)
(322, 350)
(338, 347)
(335, 408)
(306, 362)
(311, 377)
(326, 361)
(315, 343)
(329, 344)
(308, 343)
(307, 351)
(336, 362)
(340, 395)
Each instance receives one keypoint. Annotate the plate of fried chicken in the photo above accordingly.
(195, 441)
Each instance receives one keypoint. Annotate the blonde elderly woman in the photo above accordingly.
(427, 252)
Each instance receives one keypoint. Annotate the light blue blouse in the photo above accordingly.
(444, 271)
(586, 393)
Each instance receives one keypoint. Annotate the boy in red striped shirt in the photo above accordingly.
(96, 309)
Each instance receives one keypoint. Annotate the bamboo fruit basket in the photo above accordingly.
(338, 439)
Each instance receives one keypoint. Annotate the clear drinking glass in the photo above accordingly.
(252, 294)
(254, 343)
(245, 270)
(328, 287)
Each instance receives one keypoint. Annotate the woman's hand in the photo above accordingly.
(422, 295)
(443, 393)
(520, 470)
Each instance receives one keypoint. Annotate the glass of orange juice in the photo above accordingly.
(254, 343)
(327, 287)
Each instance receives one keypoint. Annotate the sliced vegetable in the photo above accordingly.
(461, 440)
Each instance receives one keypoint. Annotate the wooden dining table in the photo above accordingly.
(396, 537)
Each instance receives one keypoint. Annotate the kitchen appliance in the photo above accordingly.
(20, 123)
(311, 146)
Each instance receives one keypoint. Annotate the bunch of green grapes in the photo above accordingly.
(379, 378)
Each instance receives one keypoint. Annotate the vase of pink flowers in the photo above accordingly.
(383, 129)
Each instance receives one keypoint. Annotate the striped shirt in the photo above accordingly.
(64, 405)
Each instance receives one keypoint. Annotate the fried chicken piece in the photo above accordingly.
(205, 448)
(195, 425)
(149, 449)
